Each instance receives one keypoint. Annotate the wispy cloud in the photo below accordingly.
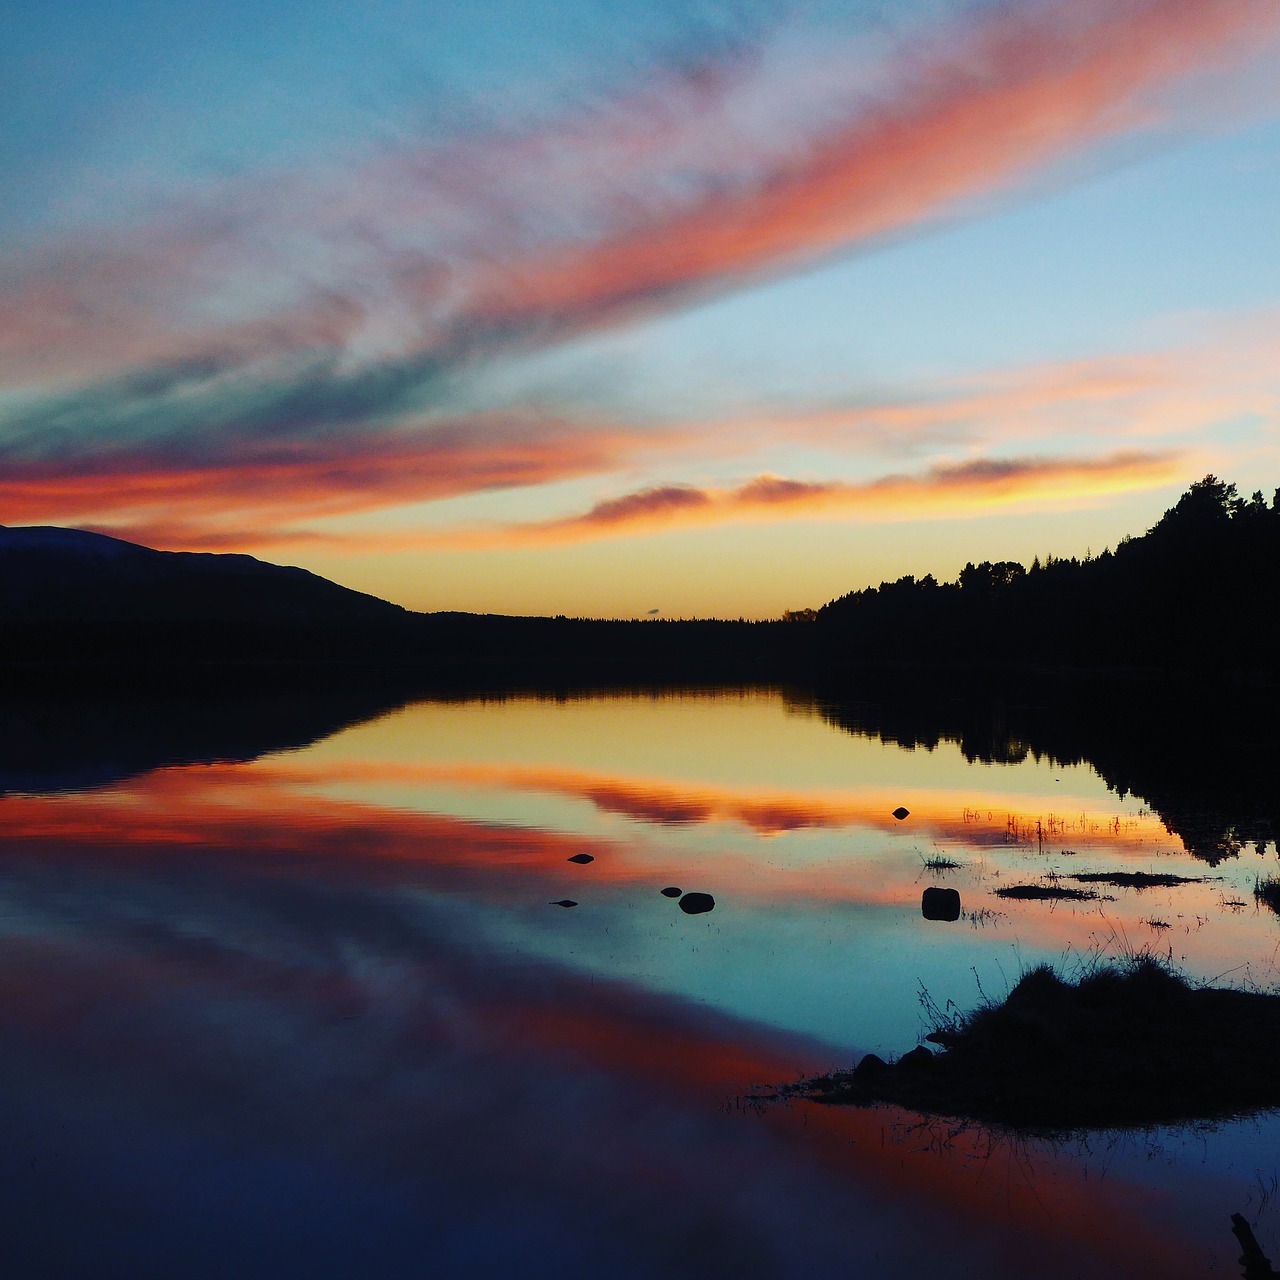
(964, 488)
(257, 471)
(307, 345)
(967, 114)
(775, 153)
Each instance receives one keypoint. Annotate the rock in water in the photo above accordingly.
(940, 904)
(563, 902)
(901, 812)
(694, 904)
(582, 858)
(671, 891)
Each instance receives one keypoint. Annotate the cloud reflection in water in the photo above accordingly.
(248, 1025)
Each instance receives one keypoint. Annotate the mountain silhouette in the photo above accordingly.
(71, 599)
(1197, 594)
(50, 575)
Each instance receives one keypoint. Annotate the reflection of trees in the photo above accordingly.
(1205, 763)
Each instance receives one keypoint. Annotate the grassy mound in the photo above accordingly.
(1126, 1046)
(1044, 893)
(1135, 879)
(1268, 893)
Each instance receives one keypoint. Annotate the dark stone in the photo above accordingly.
(563, 902)
(582, 858)
(671, 891)
(940, 904)
(871, 1067)
(917, 1059)
(900, 813)
(694, 904)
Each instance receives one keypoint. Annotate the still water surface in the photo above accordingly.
(317, 1013)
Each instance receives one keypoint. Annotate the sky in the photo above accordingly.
(647, 308)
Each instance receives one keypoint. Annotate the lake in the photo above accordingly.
(282, 1001)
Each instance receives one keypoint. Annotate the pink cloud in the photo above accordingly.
(686, 183)
(1009, 95)
(220, 497)
(417, 261)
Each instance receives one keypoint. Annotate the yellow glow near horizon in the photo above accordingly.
(753, 570)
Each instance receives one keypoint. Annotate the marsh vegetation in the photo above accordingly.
(1118, 1045)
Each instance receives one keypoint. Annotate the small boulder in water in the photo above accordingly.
(563, 902)
(582, 858)
(940, 904)
(901, 812)
(694, 904)
(671, 891)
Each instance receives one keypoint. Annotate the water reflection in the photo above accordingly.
(81, 738)
(1203, 759)
(311, 1012)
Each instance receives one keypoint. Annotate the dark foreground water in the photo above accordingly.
(316, 1013)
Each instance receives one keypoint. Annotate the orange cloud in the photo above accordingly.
(256, 493)
(232, 502)
(958, 489)
(1161, 392)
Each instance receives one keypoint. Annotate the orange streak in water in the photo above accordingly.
(966, 816)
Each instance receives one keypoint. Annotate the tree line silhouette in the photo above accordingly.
(1199, 591)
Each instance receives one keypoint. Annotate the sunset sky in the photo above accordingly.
(639, 307)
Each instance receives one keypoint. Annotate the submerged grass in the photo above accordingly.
(940, 862)
(1268, 893)
(1123, 1044)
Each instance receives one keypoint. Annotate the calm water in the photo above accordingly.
(317, 1013)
